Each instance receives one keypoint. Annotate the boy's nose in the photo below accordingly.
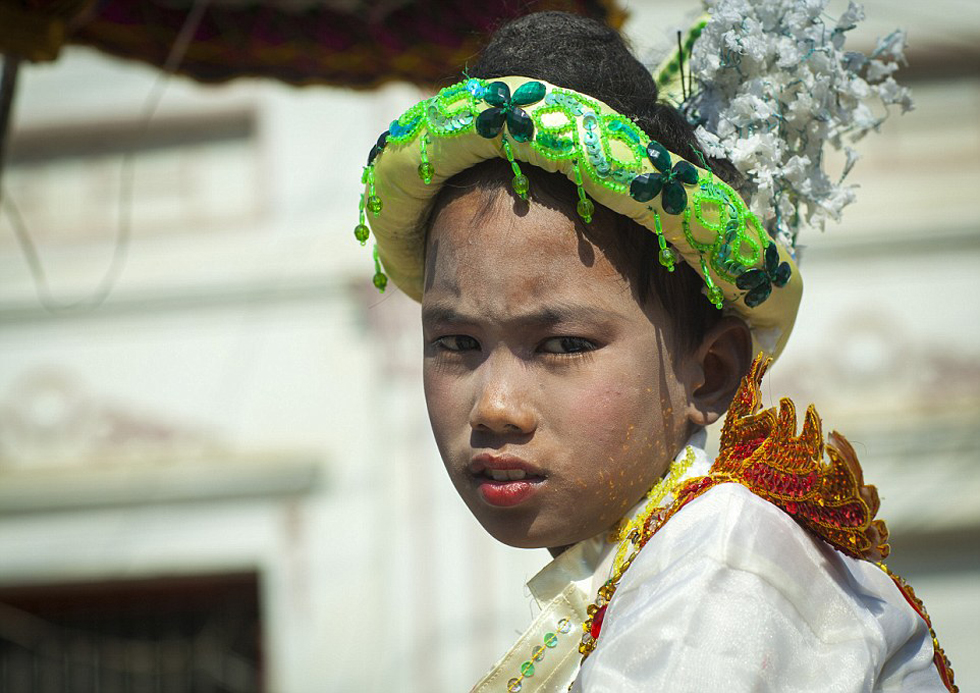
(502, 405)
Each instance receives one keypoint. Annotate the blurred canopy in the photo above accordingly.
(353, 43)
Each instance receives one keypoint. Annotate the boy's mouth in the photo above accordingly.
(503, 468)
(504, 474)
(504, 480)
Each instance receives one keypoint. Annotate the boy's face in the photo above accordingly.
(554, 395)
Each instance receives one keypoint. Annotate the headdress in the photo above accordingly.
(747, 263)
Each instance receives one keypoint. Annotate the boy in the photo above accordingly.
(573, 355)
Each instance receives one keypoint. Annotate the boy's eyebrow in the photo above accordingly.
(552, 314)
(441, 313)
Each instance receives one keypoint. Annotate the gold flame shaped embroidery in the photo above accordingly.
(761, 451)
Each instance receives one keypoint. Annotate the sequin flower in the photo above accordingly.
(507, 108)
(759, 282)
(670, 181)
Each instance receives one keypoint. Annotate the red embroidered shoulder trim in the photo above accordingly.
(761, 451)
(939, 657)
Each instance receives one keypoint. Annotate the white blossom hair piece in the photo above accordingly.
(774, 85)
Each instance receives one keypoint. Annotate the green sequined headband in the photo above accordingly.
(696, 216)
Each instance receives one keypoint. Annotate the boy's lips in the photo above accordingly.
(503, 467)
(504, 480)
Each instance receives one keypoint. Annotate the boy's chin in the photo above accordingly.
(523, 538)
(520, 542)
(532, 527)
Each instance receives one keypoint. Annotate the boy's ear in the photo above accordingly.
(717, 367)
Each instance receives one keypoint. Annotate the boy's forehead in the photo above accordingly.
(529, 267)
(477, 224)
(513, 250)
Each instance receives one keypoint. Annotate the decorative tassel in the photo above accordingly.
(361, 231)
(380, 278)
(520, 183)
(667, 255)
(426, 170)
(585, 207)
(715, 295)
(373, 202)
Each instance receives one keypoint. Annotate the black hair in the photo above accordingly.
(589, 57)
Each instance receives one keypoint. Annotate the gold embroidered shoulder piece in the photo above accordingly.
(761, 451)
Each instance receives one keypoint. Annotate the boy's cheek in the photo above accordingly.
(439, 401)
(614, 416)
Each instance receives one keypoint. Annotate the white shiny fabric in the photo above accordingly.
(732, 595)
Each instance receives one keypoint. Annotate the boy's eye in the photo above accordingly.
(457, 342)
(567, 345)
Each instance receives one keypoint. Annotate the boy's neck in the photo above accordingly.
(559, 550)
(698, 438)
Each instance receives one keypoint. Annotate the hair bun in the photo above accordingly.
(591, 58)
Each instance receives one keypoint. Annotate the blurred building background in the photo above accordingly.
(222, 477)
